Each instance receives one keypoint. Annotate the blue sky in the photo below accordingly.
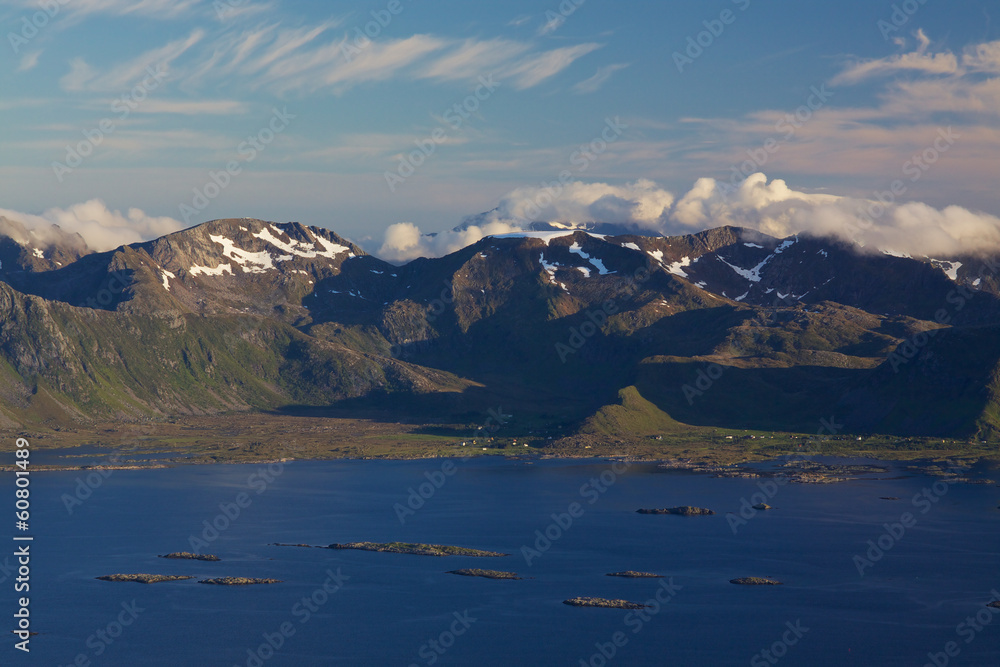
(169, 92)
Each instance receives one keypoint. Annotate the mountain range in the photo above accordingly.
(591, 332)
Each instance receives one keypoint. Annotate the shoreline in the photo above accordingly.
(718, 469)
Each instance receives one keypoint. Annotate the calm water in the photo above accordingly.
(907, 604)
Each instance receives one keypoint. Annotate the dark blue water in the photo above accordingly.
(909, 603)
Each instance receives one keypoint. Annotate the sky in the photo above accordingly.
(389, 120)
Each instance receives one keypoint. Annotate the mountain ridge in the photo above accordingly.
(249, 315)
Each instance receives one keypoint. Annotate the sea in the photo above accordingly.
(895, 568)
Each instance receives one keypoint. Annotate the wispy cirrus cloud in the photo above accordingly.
(309, 59)
(82, 77)
(920, 61)
(594, 83)
(168, 9)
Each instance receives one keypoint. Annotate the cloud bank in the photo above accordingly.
(771, 207)
(101, 228)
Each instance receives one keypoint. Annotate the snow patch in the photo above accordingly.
(38, 253)
(545, 236)
(217, 271)
(301, 248)
(584, 270)
(252, 262)
(950, 268)
(166, 276)
(601, 269)
(676, 267)
(824, 253)
(631, 246)
(753, 245)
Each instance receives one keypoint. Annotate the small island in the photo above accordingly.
(238, 581)
(488, 574)
(143, 578)
(418, 549)
(995, 604)
(762, 506)
(632, 574)
(603, 602)
(683, 510)
(186, 555)
(755, 581)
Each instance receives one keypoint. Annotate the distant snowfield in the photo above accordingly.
(545, 236)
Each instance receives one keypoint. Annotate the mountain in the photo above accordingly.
(30, 250)
(575, 332)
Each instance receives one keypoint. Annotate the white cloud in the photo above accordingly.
(944, 62)
(771, 207)
(102, 228)
(594, 83)
(554, 23)
(404, 241)
(82, 77)
(534, 69)
(154, 8)
(29, 61)
(983, 57)
(192, 107)
(475, 58)
(642, 203)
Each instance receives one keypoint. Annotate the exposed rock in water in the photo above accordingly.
(683, 510)
(238, 581)
(488, 574)
(603, 602)
(888, 498)
(755, 581)
(418, 549)
(186, 555)
(762, 506)
(632, 574)
(995, 604)
(143, 578)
